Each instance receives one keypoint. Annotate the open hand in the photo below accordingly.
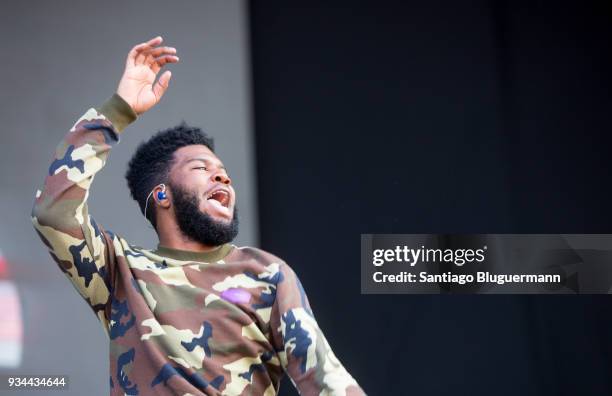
(143, 63)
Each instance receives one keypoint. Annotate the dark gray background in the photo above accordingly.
(438, 117)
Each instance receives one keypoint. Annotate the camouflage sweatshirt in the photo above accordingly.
(226, 322)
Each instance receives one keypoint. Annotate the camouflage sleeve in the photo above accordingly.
(81, 248)
(304, 352)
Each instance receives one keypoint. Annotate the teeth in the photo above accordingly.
(222, 198)
(218, 192)
(217, 204)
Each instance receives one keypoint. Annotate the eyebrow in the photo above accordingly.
(205, 160)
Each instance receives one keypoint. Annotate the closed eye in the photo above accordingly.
(201, 167)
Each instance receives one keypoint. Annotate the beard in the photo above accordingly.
(197, 225)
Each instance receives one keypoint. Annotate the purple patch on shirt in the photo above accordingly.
(237, 296)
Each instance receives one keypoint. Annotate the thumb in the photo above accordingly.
(162, 84)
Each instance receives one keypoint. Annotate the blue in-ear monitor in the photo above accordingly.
(161, 195)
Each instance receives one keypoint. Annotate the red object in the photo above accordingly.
(3, 267)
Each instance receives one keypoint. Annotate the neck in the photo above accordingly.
(171, 236)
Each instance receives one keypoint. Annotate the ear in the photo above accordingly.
(162, 203)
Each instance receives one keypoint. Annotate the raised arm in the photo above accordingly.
(79, 245)
(304, 352)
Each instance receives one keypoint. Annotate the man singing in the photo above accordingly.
(197, 315)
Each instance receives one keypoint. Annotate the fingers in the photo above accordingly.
(158, 63)
(161, 85)
(153, 53)
(138, 49)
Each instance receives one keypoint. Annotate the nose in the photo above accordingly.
(222, 177)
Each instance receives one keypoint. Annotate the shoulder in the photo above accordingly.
(257, 254)
(261, 257)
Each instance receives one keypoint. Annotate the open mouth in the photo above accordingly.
(219, 197)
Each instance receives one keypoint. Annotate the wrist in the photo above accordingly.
(118, 111)
(127, 99)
